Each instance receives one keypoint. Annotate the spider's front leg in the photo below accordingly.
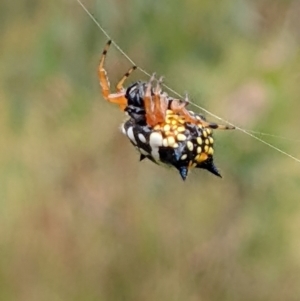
(119, 97)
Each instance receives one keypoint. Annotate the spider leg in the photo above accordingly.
(186, 98)
(102, 74)
(160, 103)
(198, 120)
(216, 126)
(118, 98)
(150, 117)
(210, 125)
(120, 87)
(179, 107)
(157, 89)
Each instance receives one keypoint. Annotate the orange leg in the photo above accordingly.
(179, 107)
(149, 109)
(103, 80)
(120, 87)
(160, 103)
(117, 98)
(198, 120)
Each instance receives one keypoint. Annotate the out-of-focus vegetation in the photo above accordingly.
(82, 219)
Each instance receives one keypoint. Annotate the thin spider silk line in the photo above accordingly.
(176, 93)
(271, 135)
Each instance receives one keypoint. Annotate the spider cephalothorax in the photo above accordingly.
(135, 102)
(160, 126)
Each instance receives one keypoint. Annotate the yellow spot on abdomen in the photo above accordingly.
(171, 140)
(167, 128)
(202, 157)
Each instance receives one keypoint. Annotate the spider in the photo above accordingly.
(160, 126)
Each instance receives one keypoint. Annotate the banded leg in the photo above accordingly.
(117, 98)
(102, 74)
(120, 87)
(217, 126)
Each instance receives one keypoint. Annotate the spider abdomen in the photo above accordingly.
(174, 143)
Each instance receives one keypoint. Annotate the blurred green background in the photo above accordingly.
(82, 219)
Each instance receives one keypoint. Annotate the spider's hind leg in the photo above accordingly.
(180, 107)
(216, 126)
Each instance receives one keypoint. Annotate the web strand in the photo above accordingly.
(272, 135)
(247, 132)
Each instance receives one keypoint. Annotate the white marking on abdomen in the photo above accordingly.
(142, 138)
(155, 142)
(130, 135)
